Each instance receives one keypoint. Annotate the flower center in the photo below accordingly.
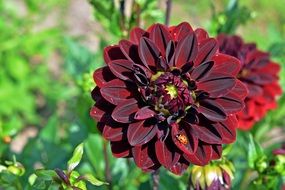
(172, 91)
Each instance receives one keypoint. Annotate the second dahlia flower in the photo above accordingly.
(166, 97)
(258, 73)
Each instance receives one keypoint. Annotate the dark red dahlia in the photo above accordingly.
(258, 73)
(167, 97)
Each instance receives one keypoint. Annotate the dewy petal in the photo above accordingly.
(226, 64)
(181, 31)
(144, 113)
(125, 111)
(206, 50)
(186, 50)
(112, 133)
(123, 69)
(216, 84)
(212, 110)
(202, 155)
(160, 35)
(142, 157)
(166, 155)
(148, 53)
(102, 76)
(136, 34)
(115, 91)
(112, 53)
(120, 149)
(141, 132)
(201, 70)
(201, 34)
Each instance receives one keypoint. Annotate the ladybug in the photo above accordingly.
(182, 138)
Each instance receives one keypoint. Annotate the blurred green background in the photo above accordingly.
(48, 51)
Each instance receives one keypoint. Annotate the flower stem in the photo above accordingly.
(107, 165)
(155, 179)
(168, 11)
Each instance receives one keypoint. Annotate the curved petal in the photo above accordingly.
(207, 49)
(141, 132)
(165, 154)
(143, 156)
(217, 151)
(231, 103)
(148, 53)
(136, 34)
(114, 133)
(102, 75)
(201, 34)
(180, 167)
(125, 111)
(120, 149)
(123, 69)
(227, 129)
(212, 110)
(201, 70)
(207, 133)
(130, 50)
(160, 35)
(202, 155)
(186, 50)
(112, 53)
(226, 64)
(144, 113)
(180, 31)
(115, 91)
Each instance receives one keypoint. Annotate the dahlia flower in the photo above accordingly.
(258, 73)
(166, 97)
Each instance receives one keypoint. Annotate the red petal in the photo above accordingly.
(142, 158)
(115, 91)
(144, 113)
(125, 111)
(113, 133)
(97, 113)
(181, 31)
(165, 154)
(207, 133)
(148, 53)
(216, 152)
(112, 53)
(207, 49)
(160, 36)
(130, 50)
(102, 75)
(201, 34)
(141, 132)
(201, 70)
(226, 64)
(202, 155)
(136, 34)
(240, 90)
(120, 149)
(231, 103)
(186, 50)
(227, 129)
(192, 142)
(212, 110)
(216, 84)
(123, 69)
(179, 168)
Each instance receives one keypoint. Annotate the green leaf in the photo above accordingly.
(76, 157)
(93, 180)
(255, 152)
(46, 174)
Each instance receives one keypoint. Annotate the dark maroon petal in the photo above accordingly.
(201, 70)
(202, 155)
(180, 167)
(261, 78)
(130, 50)
(123, 69)
(102, 76)
(148, 53)
(181, 31)
(212, 110)
(216, 151)
(144, 113)
(136, 34)
(186, 50)
(253, 90)
(231, 103)
(201, 34)
(141, 132)
(160, 36)
(113, 133)
(97, 113)
(226, 64)
(112, 53)
(120, 149)
(227, 129)
(191, 144)
(169, 53)
(142, 157)
(125, 111)
(206, 50)
(166, 156)
(115, 91)
(207, 133)
(216, 84)
(240, 90)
